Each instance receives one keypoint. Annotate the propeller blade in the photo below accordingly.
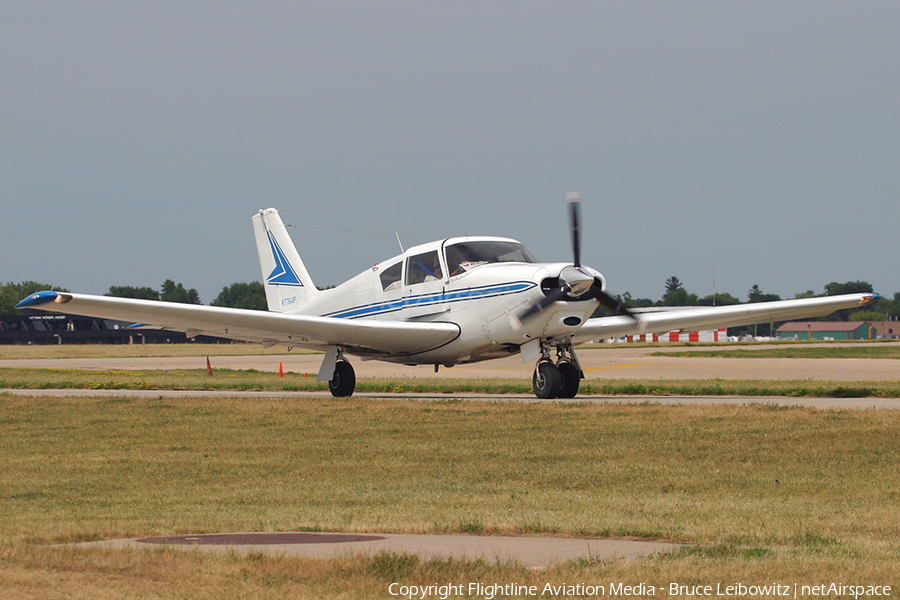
(610, 302)
(574, 199)
(574, 281)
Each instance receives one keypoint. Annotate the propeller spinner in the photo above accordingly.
(576, 282)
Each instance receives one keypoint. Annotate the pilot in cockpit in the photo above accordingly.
(435, 274)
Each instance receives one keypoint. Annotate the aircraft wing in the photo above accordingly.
(378, 338)
(696, 319)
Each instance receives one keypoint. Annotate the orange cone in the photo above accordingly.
(280, 369)
(208, 367)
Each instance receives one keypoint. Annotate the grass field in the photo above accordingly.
(225, 379)
(757, 494)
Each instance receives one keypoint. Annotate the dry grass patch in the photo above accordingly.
(754, 491)
(228, 379)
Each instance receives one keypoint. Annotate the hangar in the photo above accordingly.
(886, 330)
(826, 330)
(34, 327)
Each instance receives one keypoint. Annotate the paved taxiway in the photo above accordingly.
(532, 552)
(835, 403)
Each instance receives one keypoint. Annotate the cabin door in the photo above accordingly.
(424, 289)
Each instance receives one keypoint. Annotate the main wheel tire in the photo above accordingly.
(343, 382)
(571, 380)
(546, 381)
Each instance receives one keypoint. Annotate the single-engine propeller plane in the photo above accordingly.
(448, 302)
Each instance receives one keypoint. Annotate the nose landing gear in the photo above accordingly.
(560, 379)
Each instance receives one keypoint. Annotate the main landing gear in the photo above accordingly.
(343, 381)
(560, 379)
(338, 373)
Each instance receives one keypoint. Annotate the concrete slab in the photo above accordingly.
(532, 552)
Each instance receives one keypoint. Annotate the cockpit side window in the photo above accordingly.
(423, 267)
(390, 277)
(468, 255)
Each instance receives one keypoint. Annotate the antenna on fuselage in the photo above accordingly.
(402, 251)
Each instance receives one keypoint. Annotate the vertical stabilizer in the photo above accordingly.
(288, 284)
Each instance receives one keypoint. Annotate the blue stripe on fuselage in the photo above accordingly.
(380, 308)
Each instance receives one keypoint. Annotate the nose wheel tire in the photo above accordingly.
(547, 381)
(343, 382)
(571, 380)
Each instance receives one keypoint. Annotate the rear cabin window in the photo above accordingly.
(390, 277)
(423, 267)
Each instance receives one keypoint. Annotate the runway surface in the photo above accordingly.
(532, 552)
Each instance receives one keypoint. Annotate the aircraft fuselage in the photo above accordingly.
(461, 281)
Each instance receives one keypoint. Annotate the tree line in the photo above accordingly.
(237, 295)
(675, 294)
(253, 296)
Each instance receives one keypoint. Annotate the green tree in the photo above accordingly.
(672, 285)
(629, 302)
(127, 291)
(13, 293)
(849, 287)
(243, 295)
(625, 300)
(868, 315)
(883, 309)
(176, 292)
(756, 295)
(679, 297)
(719, 299)
(170, 292)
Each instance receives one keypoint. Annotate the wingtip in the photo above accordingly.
(38, 299)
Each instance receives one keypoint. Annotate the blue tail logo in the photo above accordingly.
(283, 273)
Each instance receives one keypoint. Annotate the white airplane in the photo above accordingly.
(448, 302)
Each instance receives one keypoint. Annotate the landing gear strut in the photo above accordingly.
(559, 380)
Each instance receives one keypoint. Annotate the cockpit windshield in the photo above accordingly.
(464, 256)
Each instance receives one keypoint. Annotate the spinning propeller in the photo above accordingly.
(576, 282)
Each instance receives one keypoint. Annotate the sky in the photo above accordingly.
(729, 144)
